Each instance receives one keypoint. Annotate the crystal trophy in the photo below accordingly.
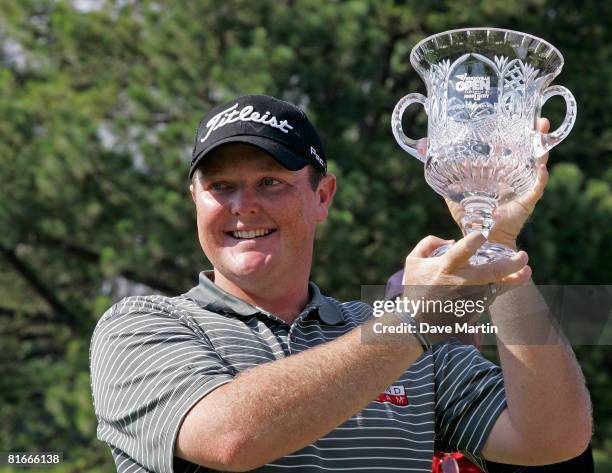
(485, 91)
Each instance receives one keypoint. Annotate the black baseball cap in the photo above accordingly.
(277, 127)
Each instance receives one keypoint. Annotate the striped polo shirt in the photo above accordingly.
(153, 357)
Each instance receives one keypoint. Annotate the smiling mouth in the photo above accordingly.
(250, 234)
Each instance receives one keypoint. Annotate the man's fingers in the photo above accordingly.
(543, 125)
(516, 279)
(496, 271)
(541, 181)
(427, 245)
(422, 146)
(459, 254)
(529, 200)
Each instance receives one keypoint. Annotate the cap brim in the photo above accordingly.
(290, 159)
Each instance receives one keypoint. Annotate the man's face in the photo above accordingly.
(256, 219)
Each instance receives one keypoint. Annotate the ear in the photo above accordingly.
(325, 194)
(192, 190)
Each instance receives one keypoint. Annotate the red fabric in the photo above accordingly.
(465, 466)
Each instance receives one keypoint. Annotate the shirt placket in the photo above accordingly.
(292, 337)
(283, 326)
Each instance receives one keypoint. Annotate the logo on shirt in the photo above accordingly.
(395, 395)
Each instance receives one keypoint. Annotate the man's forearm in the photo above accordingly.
(279, 407)
(545, 389)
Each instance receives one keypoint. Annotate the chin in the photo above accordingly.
(251, 265)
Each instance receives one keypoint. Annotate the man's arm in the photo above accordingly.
(548, 418)
(276, 408)
(282, 406)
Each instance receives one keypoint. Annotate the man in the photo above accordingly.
(255, 369)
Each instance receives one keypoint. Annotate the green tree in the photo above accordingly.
(99, 101)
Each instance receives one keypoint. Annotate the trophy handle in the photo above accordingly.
(408, 144)
(552, 139)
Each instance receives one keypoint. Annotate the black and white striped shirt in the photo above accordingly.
(152, 358)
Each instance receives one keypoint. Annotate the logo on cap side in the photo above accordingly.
(231, 115)
(317, 157)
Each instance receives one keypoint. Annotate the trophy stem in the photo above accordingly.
(478, 215)
(479, 218)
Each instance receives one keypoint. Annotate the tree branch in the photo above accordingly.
(30, 275)
(93, 256)
(32, 316)
(371, 119)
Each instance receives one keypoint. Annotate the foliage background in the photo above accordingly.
(99, 101)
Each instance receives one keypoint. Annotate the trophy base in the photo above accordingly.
(486, 253)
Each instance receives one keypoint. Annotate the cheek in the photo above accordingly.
(210, 216)
(299, 219)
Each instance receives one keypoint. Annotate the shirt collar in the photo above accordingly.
(211, 297)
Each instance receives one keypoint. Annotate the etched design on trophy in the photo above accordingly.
(486, 88)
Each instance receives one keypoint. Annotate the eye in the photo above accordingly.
(270, 181)
(218, 186)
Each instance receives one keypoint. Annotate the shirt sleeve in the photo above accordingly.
(470, 396)
(148, 368)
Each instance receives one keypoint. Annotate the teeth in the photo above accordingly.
(252, 233)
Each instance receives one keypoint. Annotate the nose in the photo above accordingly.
(245, 201)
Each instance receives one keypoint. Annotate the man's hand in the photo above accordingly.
(451, 277)
(511, 216)
(453, 267)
